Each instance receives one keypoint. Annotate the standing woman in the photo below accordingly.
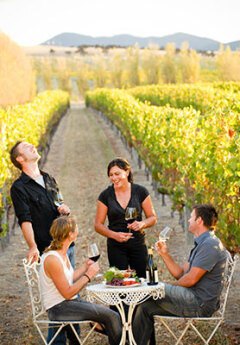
(60, 284)
(126, 242)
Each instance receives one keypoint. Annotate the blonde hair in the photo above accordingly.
(60, 229)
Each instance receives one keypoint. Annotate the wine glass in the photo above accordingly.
(165, 234)
(58, 199)
(131, 214)
(93, 254)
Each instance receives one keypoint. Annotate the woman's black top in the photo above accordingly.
(116, 213)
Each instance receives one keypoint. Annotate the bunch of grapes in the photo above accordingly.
(115, 282)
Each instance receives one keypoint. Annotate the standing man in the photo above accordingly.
(34, 200)
(198, 285)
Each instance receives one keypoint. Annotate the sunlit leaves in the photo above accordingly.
(30, 122)
(195, 154)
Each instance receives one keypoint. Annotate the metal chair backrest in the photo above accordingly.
(227, 280)
(32, 275)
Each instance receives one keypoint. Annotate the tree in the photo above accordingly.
(228, 64)
(63, 75)
(99, 71)
(189, 64)
(169, 70)
(132, 66)
(151, 64)
(82, 75)
(116, 69)
(17, 78)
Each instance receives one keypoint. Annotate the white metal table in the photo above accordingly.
(131, 296)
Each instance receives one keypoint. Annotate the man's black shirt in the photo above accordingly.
(34, 203)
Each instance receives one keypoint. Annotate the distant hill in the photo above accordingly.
(68, 39)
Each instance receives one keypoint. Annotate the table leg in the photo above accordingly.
(130, 333)
(121, 310)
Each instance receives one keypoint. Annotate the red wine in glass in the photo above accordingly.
(95, 258)
(93, 254)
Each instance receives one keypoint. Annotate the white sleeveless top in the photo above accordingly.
(49, 293)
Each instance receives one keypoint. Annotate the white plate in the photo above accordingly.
(123, 286)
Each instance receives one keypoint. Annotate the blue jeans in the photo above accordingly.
(178, 301)
(71, 255)
(61, 337)
(80, 310)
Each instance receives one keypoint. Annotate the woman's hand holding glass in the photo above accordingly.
(93, 256)
(131, 215)
(93, 269)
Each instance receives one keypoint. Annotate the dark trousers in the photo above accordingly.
(132, 253)
(80, 310)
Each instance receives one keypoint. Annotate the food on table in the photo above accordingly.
(116, 277)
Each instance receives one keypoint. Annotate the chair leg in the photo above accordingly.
(214, 330)
(211, 335)
(183, 333)
(171, 332)
(89, 333)
(198, 333)
(87, 336)
(53, 338)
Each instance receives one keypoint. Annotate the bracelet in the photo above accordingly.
(85, 275)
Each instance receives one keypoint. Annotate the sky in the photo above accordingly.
(31, 22)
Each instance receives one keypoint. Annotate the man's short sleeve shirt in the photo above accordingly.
(210, 255)
(116, 214)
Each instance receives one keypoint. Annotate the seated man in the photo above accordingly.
(197, 289)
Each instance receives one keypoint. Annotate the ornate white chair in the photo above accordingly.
(192, 323)
(40, 319)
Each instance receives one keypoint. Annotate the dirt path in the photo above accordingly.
(81, 148)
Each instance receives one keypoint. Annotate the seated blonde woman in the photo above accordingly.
(60, 284)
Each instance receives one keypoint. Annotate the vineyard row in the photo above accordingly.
(195, 157)
(32, 122)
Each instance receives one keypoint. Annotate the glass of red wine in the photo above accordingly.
(93, 254)
(131, 214)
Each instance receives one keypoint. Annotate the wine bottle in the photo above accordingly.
(151, 269)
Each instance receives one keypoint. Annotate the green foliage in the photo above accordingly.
(194, 154)
(30, 122)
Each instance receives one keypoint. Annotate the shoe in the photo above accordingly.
(97, 329)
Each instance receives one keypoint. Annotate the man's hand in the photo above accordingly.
(162, 248)
(33, 254)
(64, 209)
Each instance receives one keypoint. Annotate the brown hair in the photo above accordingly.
(60, 229)
(123, 164)
(208, 214)
(14, 153)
